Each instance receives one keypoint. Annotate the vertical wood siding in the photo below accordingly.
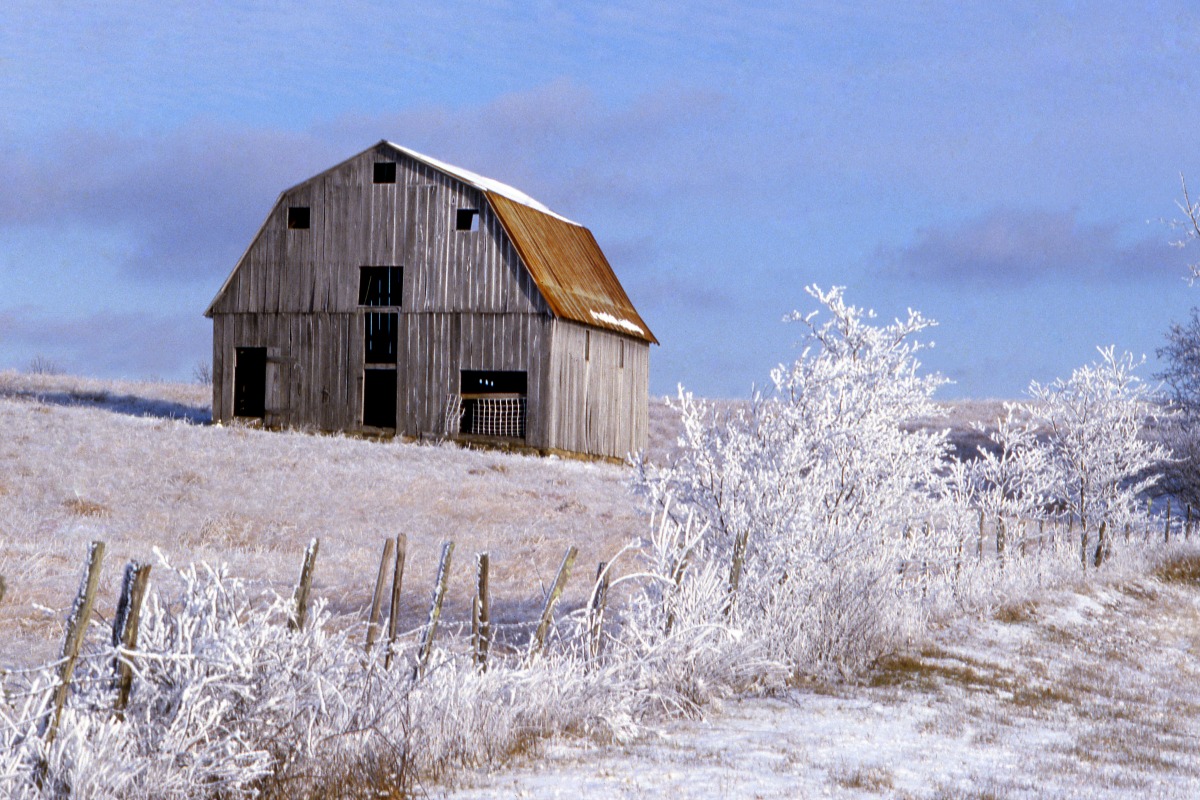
(468, 303)
(598, 406)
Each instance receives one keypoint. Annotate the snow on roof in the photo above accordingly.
(480, 182)
(632, 327)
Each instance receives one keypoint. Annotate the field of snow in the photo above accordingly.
(1086, 691)
(1076, 695)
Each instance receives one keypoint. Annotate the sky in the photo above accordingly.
(1009, 169)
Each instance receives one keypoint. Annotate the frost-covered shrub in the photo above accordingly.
(821, 506)
(1078, 448)
(228, 702)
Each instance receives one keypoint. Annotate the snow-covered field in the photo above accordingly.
(1084, 691)
(1077, 695)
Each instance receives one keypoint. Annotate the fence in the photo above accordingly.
(501, 415)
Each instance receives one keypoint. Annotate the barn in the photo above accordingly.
(396, 294)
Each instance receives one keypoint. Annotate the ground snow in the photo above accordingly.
(1092, 694)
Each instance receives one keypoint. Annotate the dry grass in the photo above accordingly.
(1182, 567)
(866, 778)
(82, 507)
(256, 498)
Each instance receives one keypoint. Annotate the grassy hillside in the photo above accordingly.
(128, 463)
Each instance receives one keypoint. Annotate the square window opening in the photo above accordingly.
(380, 286)
(493, 403)
(385, 172)
(298, 217)
(467, 219)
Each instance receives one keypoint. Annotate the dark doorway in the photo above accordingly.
(250, 382)
(379, 398)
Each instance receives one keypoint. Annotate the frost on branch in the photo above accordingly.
(822, 490)
(1100, 462)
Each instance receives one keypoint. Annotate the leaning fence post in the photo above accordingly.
(435, 609)
(377, 595)
(304, 587)
(1101, 544)
(77, 623)
(125, 628)
(596, 609)
(560, 583)
(481, 615)
(394, 607)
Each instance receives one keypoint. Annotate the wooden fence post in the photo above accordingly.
(1101, 544)
(394, 606)
(125, 629)
(304, 587)
(3, 588)
(377, 596)
(435, 609)
(1001, 540)
(1187, 527)
(560, 582)
(77, 622)
(980, 548)
(596, 609)
(735, 567)
(1167, 524)
(481, 615)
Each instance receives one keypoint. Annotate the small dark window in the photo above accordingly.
(385, 171)
(380, 286)
(298, 217)
(467, 220)
(379, 341)
(492, 382)
(587, 345)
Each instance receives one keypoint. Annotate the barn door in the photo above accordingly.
(250, 382)
(379, 398)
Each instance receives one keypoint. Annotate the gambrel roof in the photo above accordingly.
(563, 258)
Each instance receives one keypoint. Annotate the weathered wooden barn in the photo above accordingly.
(394, 293)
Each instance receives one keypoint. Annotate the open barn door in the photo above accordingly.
(250, 382)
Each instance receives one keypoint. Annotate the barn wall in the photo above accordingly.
(597, 406)
(356, 223)
(315, 365)
(467, 300)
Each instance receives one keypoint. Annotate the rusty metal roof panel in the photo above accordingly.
(570, 269)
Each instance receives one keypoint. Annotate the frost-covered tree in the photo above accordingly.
(820, 497)
(1099, 459)
(1181, 375)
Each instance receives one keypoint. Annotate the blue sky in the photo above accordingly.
(1003, 167)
